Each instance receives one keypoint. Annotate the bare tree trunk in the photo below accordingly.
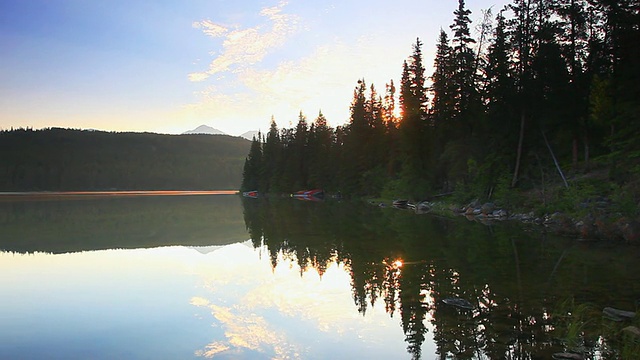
(555, 161)
(574, 152)
(514, 181)
(586, 152)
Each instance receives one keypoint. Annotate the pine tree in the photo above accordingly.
(321, 170)
(522, 32)
(300, 153)
(442, 103)
(463, 71)
(251, 172)
(356, 141)
(414, 130)
(272, 166)
(500, 89)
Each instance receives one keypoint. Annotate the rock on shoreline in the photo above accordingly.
(604, 226)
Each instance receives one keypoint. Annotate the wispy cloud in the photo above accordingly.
(244, 47)
(322, 80)
(244, 330)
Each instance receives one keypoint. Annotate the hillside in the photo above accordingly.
(63, 159)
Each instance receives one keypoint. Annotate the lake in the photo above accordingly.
(219, 276)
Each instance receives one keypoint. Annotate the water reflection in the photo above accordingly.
(60, 224)
(315, 280)
(178, 303)
(518, 283)
(283, 313)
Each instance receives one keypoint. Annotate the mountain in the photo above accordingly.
(204, 129)
(249, 135)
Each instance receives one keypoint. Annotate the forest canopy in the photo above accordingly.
(64, 159)
(537, 83)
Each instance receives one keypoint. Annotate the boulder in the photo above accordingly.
(487, 208)
(423, 207)
(500, 213)
(630, 231)
(617, 315)
(586, 228)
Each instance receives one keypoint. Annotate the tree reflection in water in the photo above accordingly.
(517, 281)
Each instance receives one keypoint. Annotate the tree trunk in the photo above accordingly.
(586, 153)
(514, 181)
(574, 152)
(555, 161)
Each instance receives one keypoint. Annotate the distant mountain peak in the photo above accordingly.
(204, 129)
(249, 135)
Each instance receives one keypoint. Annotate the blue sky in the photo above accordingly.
(169, 66)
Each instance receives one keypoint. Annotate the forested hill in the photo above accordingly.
(64, 159)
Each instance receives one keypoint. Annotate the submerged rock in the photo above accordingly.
(570, 356)
(458, 302)
(617, 315)
(632, 330)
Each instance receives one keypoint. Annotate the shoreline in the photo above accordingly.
(37, 195)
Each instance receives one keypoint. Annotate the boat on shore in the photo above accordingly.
(250, 194)
(309, 195)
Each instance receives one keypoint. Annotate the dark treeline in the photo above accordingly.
(522, 284)
(64, 159)
(541, 77)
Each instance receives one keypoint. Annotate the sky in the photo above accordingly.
(168, 66)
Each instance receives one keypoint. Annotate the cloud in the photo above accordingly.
(210, 28)
(244, 330)
(245, 47)
(318, 74)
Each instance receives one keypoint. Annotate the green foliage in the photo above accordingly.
(506, 195)
(626, 199)
(573, 323)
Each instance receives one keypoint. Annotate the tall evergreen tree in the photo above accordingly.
(463, 71)
(321, 169)
(391, 130)
(272, 154)
(414, 134)
(442, 103)
(573, 39)
(299, 155)
(520, 26)
(251, 172)
(357, 141)
(500, 89)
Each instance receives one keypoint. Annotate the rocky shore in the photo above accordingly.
(600, 224)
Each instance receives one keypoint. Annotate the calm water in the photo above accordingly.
(217, 276)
